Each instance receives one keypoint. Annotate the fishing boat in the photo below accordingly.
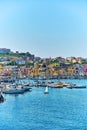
(46, 90)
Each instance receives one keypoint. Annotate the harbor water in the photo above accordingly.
(61, 109)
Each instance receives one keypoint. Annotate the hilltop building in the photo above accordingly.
(4, 50)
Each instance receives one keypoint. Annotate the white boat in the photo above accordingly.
(13, 90)
(76, 86)
(46, 90)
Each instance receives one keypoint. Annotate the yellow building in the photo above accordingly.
(1, 69)
(71, 70)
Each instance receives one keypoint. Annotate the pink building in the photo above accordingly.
(25, 71)
(85, 70)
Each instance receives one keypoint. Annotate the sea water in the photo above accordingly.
(61, 109)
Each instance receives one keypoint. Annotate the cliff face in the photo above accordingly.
(1, 98)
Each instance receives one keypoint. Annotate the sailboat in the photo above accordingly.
(46, 90)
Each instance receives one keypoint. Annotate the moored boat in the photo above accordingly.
(13, 91)
(18, 89)
(80, 86)
(72, 86)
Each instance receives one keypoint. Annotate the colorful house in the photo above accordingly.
(79, 70)
(85, 70)
(71, 70)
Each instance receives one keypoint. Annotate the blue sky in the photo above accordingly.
(46, 28)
